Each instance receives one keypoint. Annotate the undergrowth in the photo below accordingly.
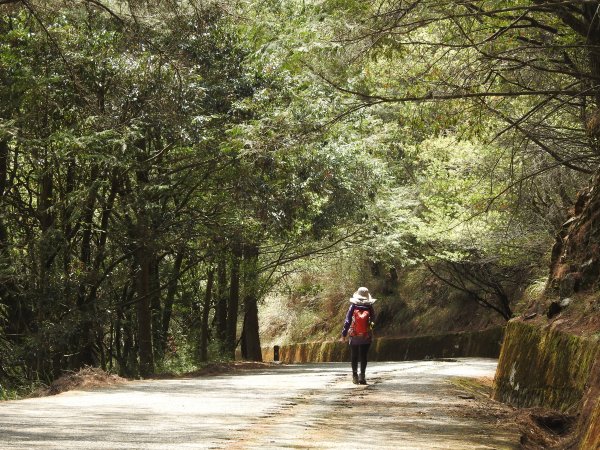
(23, 390)
(312, 304)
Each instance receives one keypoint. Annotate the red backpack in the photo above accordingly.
(360, 325)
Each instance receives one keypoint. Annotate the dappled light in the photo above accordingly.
(192, 190)
(411, 404)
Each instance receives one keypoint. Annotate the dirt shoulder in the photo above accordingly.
(539, 428)
(85, 378)
(93, 377)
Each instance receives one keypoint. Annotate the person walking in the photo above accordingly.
(358, 328)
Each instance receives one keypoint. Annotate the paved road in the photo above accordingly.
(407, 405)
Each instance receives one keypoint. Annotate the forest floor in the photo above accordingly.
(406, 405)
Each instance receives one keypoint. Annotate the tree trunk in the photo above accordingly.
(205, 313)
(46, 198)
(155, 305)
(221, 301)
(250, 333)
(131, 365)
(142, 234)
(47, 245)
(170, 298)
(3, 178)
(14, 325)
(85, 338)
(143, 310)
(124, 341)
(233, 302)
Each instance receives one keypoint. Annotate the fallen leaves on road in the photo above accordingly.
(540, 428)
(544, 429)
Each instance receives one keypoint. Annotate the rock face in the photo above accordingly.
(575, 263)
(543, 366)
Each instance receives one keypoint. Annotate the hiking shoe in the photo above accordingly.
(355, 378)
(361, 379)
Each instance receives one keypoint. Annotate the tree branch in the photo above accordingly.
(432, 97)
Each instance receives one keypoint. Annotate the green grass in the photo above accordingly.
(22, 391)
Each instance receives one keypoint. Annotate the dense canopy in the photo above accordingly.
(165, 165)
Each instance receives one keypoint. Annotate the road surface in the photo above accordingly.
(407, 405)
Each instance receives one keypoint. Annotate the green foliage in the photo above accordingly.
(142, 147)
(106, 130)
(466, 183)
(178, 362)
(5, 349)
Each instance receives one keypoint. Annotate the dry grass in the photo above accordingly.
(88, 377)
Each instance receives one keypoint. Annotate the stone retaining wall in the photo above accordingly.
(543, 367)
(484, 343)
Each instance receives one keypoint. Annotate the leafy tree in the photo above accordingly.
(489, 104)
(157, 175)
(108, 177)
(532, 65)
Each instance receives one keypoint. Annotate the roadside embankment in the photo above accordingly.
(540, 366)
(485, 344)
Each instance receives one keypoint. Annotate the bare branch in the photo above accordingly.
(371, 99)
(107, 9)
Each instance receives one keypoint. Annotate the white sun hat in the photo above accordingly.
(362, 297)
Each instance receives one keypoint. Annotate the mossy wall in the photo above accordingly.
(589, 427)
(484, 343)
(542, 367)
(539, 366)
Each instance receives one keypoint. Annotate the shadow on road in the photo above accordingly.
(407, 405)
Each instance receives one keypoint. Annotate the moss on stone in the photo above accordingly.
(543, 367)
(484, 343)
(591, 438)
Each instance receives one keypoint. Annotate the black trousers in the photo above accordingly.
(359, 353)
